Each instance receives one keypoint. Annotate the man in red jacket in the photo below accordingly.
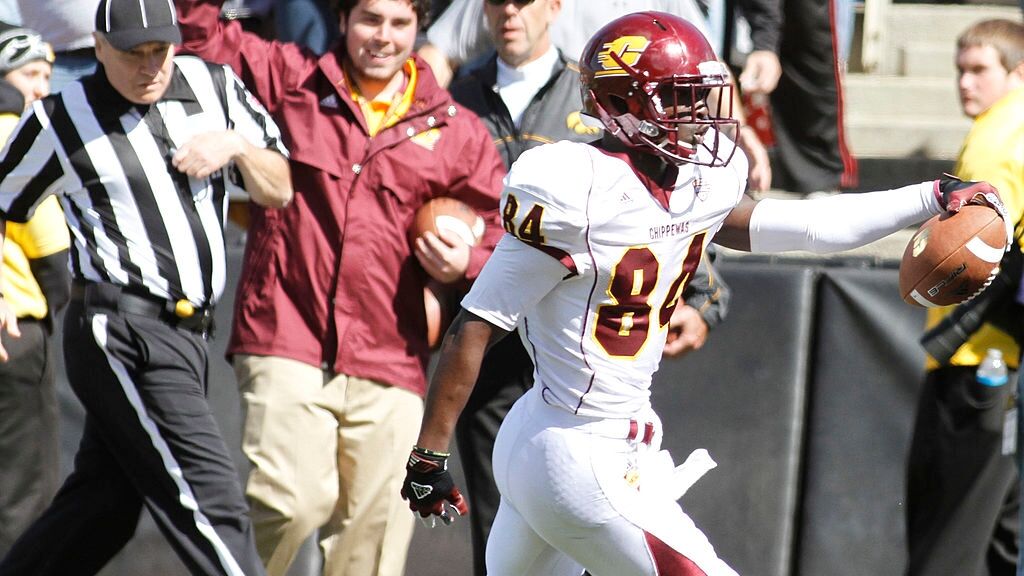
(329, 337)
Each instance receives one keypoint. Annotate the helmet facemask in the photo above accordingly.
(652, 113)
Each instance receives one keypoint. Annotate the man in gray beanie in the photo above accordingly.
(36, 285)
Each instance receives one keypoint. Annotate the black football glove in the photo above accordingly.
(428, 486)
(954, 193)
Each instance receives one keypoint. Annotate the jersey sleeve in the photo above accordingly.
(248, 117)
(501, 295)
(545, 202)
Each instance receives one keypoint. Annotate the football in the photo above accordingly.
(445, 213)
(437, 302)
(952, 257)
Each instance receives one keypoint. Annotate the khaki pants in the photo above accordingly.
(327, 453)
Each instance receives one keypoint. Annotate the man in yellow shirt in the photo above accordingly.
(962, 483)
(36, 285)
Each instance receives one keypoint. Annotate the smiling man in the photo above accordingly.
(329, 339)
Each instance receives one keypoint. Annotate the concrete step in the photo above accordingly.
(868, 95)
(927, 59)
(901, 117)
(911, 26)
(906, 137)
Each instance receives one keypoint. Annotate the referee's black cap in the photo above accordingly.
(128, 23)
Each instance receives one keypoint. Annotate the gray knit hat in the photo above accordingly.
(19, 46)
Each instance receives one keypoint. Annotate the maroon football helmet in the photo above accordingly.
(648, 77)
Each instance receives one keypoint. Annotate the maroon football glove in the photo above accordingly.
(953, 193)
(428, 486)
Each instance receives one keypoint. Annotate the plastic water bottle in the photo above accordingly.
(992, 370)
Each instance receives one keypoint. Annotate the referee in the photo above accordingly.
(142, 156)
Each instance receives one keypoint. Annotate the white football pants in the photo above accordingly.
(569, 501)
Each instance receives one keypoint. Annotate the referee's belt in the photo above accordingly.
(180, 314)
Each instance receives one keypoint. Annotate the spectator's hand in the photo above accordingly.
(206, 153)
(759, 171)
(687, 331)
(428, 486)
(9, 322)
(761, 73)
(953, 193)
(444, 257)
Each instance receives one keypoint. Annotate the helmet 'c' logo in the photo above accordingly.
(627, 48)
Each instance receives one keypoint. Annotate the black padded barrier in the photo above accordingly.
(867, 371)
(742, 398)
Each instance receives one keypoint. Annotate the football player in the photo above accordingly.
(601, 239)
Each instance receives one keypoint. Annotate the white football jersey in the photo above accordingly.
(596, 335)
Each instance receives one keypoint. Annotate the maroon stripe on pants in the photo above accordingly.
(669, 561)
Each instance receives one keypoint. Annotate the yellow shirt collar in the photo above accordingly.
(380, 114)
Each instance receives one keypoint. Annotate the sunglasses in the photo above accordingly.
(518, 3)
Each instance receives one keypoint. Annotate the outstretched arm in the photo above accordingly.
(846, 221)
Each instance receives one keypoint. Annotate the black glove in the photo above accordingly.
(953, 193)
(428, 485)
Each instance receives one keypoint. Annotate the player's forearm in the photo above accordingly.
(267, 176)
(838, 222)
(457, 369)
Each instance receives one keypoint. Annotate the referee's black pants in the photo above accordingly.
(962, 491)
(149, 439)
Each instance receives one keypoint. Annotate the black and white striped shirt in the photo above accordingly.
(135, 220)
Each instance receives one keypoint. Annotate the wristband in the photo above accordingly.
(431, 453)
